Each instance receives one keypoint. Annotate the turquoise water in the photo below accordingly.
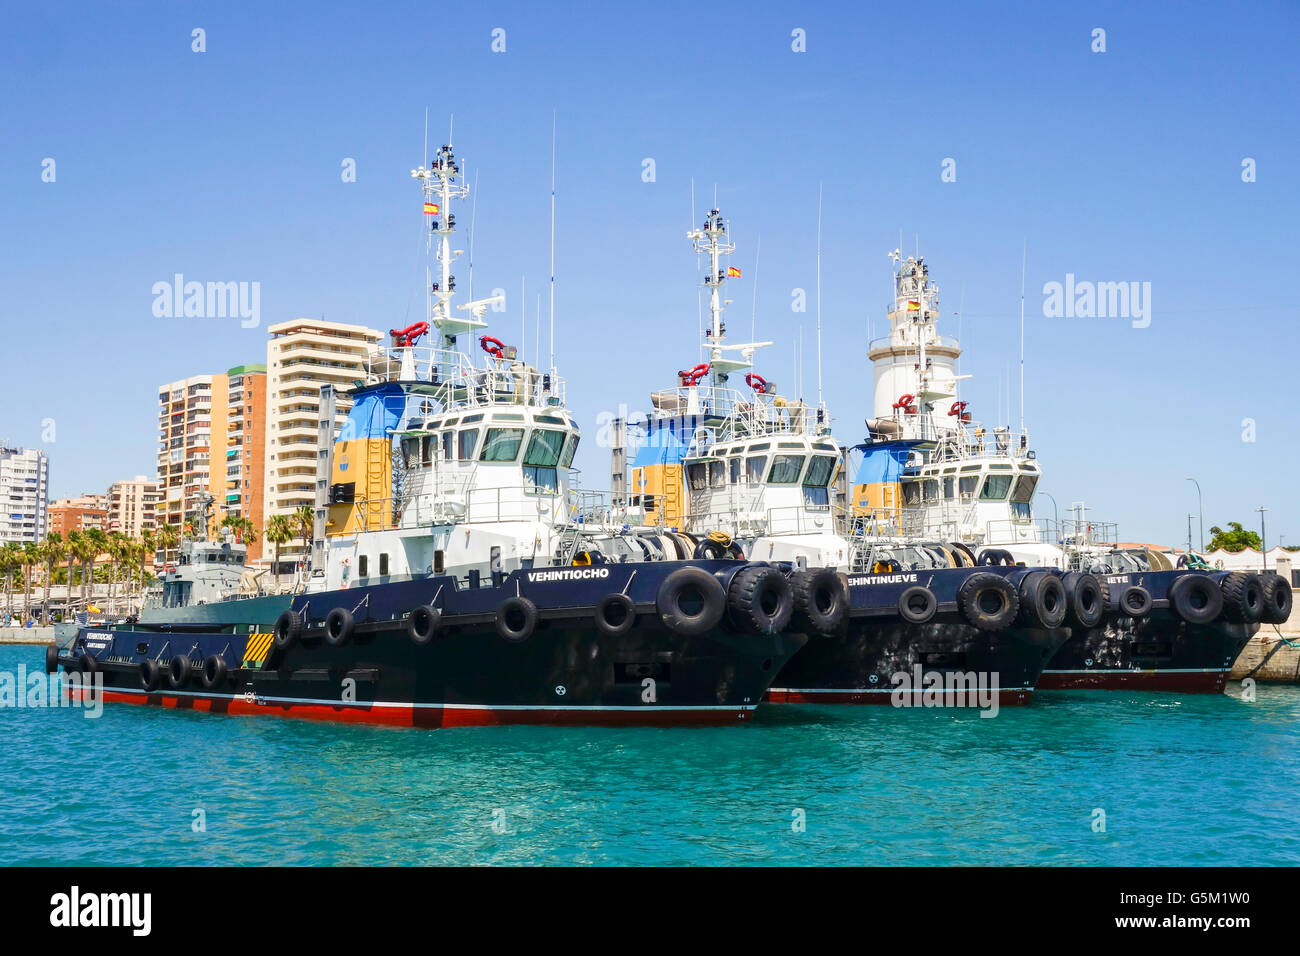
(1182, 780)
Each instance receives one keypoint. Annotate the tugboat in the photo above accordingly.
(748, 472)
(454, 591)
(930, 473)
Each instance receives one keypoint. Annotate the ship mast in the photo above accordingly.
(712, 239)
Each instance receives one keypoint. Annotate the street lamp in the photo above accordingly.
(1056, 514)
(1263, 550)
(1200, 508)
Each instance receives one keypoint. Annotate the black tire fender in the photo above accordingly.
(821, 600)
(87, 663)
(1243, 597)
(287, 628)
(516, 619)
(51, 658)
(1196, 599)
(615, 615)
(1086, 598)
(1134, 601)
(150, 675)
(1278, 599)
(339, 625)
(760, 600)
(917, 605)
(214, 672)
(695, 584)
(710, 550)
(1043, 601)
(178, 672)
(422, 623)
(988, 601)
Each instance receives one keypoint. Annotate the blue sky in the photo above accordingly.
(1115, 166)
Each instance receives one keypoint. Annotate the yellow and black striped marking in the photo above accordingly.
(256, 649)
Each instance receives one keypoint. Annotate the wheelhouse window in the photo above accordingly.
(717, 474)
(540, 459)
(734, 465)
(785, 469)
(754, 469)
(448, 445)
(1024, 489)
(502, 444)
(995, 488)
(570, 449)
(466, 441)
(966, 485)
(697, 475)
(816, 483)
(426, 449)
(949, 488)
(930, 490)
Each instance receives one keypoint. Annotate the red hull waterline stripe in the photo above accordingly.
(1007, 697)
(1190, 680)
(432, 715)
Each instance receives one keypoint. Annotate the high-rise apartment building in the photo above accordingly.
(190, 412)
(24, 494)
(301, 356)
(133, 505)
(244, 455)
(211, 441)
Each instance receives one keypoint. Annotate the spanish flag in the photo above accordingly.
(733, 272)
(913, 306)
(431, 209)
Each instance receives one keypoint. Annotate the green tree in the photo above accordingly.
(10, 562)
(304, 520)
(279, 531)
(1235, 539)
(168, 539)
(53, 551)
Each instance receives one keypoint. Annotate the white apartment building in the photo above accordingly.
(301, 356)
(24, 494)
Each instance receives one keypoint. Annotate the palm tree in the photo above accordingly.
(144, 555)
(243, 528)
(279, 530)
(53, 551)
(115, 550)
(10, 561)
(304, 520)
(168, 539)
(31, 557)
(76, 551)
(97, 541)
